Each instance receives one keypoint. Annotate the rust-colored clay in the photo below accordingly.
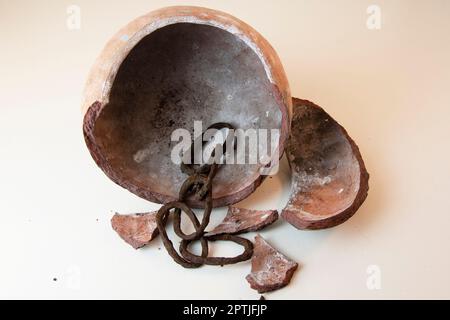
(136, 229)
(240, 220)
(271, 270)
(329, 179)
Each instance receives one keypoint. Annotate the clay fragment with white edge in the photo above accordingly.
(136, 229)
(329, 178)
(239, 220)
(271, 270)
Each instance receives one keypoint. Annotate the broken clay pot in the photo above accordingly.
(329, 178)
(271, 270)
(136, 229)
(240, 220)
(163, 71)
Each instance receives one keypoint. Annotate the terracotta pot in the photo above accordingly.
(163, 71)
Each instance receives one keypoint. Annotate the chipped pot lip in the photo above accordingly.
(106, 66)
(316, 222)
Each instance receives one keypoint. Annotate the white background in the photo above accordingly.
(389, 88)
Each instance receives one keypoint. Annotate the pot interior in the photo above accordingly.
(176, 75)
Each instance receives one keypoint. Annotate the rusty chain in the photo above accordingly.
(198, 184)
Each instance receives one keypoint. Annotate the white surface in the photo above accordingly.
(389, 88)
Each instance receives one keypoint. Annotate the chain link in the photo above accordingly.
(198, 184)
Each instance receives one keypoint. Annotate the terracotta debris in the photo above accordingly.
(240, 220)
(271, 270)
(329, 179)
(136, 229)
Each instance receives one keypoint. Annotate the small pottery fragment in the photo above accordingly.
(136, 229)
(329, 179)
(271, 270)
(239, 220)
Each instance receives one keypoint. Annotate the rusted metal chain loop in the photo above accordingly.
(199, 183)
(184, 191)
(192, 169)
(161, 219)
(218, 261)
(207, 186)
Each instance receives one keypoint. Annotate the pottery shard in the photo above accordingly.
(240, 220)
(271, 270)
(329, 179)
(136, 229)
